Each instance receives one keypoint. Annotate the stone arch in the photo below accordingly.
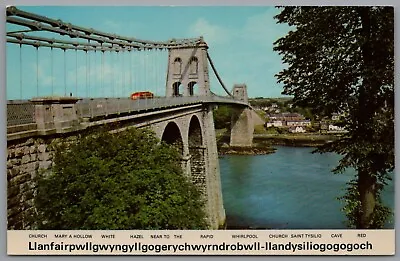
(177, 65)
(195, 135)
(192, 88)
(172, 135)
(177, 89)
(197, 154)
(193, 65)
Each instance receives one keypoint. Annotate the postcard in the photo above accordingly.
(200, 130)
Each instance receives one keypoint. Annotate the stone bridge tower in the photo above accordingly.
(242, 126)
(187, 76)
(187, 73)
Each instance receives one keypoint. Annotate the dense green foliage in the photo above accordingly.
(353, 205)
(125, 180)
(222, 117)
(341, 59)
(284, 105)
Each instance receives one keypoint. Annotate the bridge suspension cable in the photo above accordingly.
(60, 44)
(146, 70)
(217, 75)
(41, 23)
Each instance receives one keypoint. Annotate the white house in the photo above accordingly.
(299, 123)
(297, 129)
(335, 128)
(275, 124)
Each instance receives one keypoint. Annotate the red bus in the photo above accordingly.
(142, 95)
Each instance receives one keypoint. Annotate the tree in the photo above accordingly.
(341, 59)
(222, 117)
(125, 180)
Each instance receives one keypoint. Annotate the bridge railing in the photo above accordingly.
(20, 112)
(28, 116)
(224, 99)
(89, 108)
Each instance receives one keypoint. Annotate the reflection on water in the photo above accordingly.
(291, 188)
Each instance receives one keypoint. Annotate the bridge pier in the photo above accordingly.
(186, 165)
(187, 75)
(199, 156)
(242, 126)
(215, 204)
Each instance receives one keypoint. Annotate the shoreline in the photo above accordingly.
(253, 150)
(263, 143)
(295, 140)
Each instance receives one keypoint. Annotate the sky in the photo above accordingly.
(240, 41)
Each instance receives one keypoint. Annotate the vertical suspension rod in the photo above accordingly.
(20, 71)
(65, 74)
(86, 69)
(52, 73)
(89, 73)
(37, 71)
(76, 73)
(102, 74)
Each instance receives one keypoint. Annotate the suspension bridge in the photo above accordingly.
(88, 82)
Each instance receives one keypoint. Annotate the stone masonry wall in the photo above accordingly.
(197, 171)
(24, 160)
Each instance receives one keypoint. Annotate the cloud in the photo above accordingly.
(261, 29)
(123, 28)
(111, 26)
(119, 75)
(114, 75)
(40, 72)
(241, 51)
(252, 46)
(212, 34)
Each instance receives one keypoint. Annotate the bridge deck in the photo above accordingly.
(23, 112)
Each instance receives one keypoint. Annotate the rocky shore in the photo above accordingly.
(263, 143)
(253, 150)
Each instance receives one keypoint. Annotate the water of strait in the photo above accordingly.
(290, 188)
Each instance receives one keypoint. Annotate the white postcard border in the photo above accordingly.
(3, 141)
